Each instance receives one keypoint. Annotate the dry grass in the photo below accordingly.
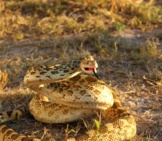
(55, 19)
(51, 32)
(3, 79)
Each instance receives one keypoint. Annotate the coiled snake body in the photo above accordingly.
(69, 96)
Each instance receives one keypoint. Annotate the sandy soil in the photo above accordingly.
(137, 93)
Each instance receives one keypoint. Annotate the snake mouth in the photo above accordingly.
(90, 70)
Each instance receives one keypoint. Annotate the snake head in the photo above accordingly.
(88, 65)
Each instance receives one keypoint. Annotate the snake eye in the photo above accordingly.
(88, 65)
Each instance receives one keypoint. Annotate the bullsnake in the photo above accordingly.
(65, 95)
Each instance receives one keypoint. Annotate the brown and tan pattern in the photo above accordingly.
(66, 96)
(7, 134)
(10, 115)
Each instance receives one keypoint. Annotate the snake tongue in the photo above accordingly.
(95, 74)
(92, 70)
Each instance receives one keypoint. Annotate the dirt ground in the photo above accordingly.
(129, 79)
